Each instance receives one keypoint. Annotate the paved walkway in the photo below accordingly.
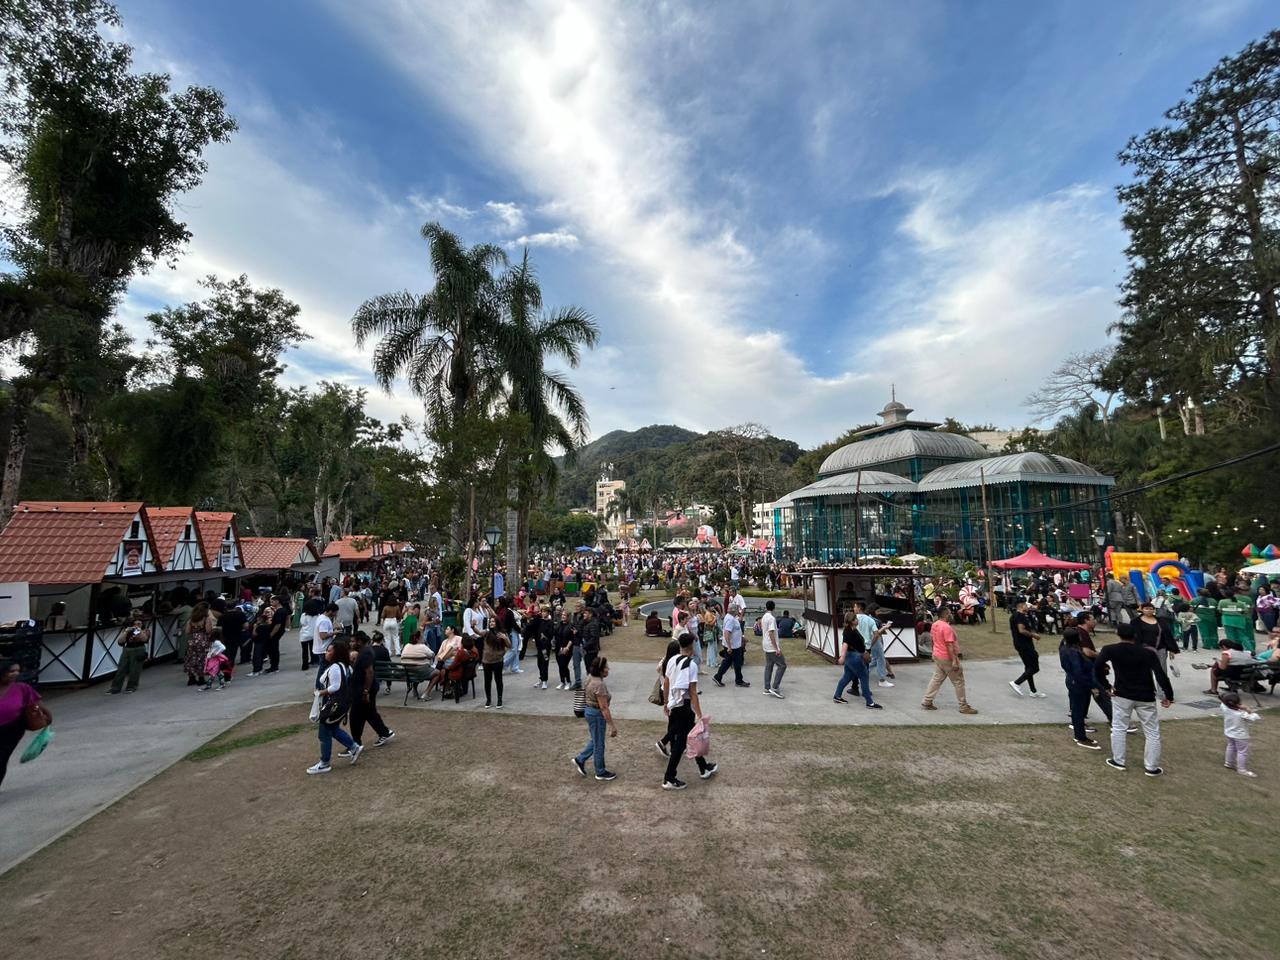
(107, 746)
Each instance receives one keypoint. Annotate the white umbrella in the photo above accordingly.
(912, 558)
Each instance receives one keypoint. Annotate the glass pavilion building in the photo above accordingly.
(906, 487)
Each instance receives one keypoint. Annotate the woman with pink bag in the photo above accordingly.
(684, 713)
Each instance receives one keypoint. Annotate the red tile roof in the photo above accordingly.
(64, 543)
(168, 525)
(353, 548)
(210, 526)
(275, 553)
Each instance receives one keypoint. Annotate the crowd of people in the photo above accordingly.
(346, 626)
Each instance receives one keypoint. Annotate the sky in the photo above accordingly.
(775, 212)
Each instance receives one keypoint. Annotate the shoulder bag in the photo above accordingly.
(655, 695)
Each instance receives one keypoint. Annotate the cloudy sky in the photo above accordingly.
(773, 210)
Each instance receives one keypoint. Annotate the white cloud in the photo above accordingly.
(438, 208)
(510, 218)
(989, 302)
(286, 225)
(556, 239)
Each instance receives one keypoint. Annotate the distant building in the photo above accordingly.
(606, 492)
(762, 520)
(993, 440)
(906, 487)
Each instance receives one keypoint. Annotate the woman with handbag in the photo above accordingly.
(20, 711)
(854, 656)
(334, 685)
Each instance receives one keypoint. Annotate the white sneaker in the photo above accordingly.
(1015, 688)
(1039, 695)
(319, 768)
(542, 685)
(885, 683)
(559, 686)
(355, 754)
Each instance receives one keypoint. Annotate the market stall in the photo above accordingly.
(830, 593)
(90, 567)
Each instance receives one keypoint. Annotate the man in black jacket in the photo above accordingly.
(1137, 671)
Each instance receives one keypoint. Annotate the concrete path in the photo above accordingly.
(107, 746)
(809, 691)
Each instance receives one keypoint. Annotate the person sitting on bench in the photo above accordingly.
(653, 626)
(1230, 665)
(416, 655)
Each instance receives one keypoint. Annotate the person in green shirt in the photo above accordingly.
(1237, 619)
(409, 623)
(1206, 611)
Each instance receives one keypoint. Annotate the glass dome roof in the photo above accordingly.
(900, 445)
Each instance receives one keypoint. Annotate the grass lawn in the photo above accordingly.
(811, 843)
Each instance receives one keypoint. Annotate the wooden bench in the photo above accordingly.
(389, 671)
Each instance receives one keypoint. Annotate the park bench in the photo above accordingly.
(1250, 674)
(390, 671)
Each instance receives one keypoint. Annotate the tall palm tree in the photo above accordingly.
(526, 339)
(435, 339)
(438, 340)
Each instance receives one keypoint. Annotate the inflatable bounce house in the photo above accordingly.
(1150, 572)
(1254, 555)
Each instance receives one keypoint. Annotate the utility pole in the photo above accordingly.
(857, 520)
(986, 523)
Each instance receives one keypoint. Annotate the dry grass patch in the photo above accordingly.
(814, 842)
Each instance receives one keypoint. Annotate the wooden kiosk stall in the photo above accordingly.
(830, 592)
(91, 567)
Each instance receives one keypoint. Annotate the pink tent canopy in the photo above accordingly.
(1033, 559)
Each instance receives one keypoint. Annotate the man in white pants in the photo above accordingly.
(1137, 671)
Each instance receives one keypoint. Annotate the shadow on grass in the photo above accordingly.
(224, 745)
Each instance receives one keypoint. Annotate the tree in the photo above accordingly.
(1075, 383)
(434, 339)
(100, 155)
(525, 339)
(1202, 319)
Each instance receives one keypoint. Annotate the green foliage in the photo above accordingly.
(1202, 314)
(100, 155)
(807, 466)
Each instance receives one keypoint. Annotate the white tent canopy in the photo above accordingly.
(1271, 569)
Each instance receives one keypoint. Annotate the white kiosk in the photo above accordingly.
(830, 593)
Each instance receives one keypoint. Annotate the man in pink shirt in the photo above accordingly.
(946, 662)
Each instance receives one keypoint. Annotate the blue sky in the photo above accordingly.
(774, 210)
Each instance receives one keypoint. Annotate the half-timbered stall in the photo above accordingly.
(92, 567)
(830, 593)
(273, 561)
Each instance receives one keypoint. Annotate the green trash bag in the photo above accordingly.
(37, 745)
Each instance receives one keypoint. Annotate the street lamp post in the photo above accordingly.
(1100, 538)
(491, 536)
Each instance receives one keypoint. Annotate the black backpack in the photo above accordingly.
(336, 706)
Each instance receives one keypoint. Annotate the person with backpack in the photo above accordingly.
(683, 709)
(334, 685)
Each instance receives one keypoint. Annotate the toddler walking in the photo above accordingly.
(1235, 724)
